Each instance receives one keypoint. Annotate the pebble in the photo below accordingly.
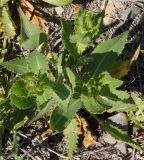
(59, 11)
(120, 120)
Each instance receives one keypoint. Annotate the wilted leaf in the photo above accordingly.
(46, 133)
(121, 68)
(88, 138)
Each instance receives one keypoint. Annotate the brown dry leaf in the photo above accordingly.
(44, 134)
(33, 15)
(79, 129)
(88, 138)
(121, 68)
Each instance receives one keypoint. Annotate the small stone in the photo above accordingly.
(119, 120)
(59, 11)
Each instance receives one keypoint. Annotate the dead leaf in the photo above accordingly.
(33, 15)
(44, 134)
(79, 129)
(121, 68)
(88, 138)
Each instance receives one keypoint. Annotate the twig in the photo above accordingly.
(59, 155)
(102, 149)
(133, 155)
(27, 153)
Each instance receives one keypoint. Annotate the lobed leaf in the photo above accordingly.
(35, 63)
(65, 34)
(30, 34)
(113, 84)
(87, 28)
(71, 137)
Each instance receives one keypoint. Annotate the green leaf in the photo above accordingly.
(35, 63)
(120, 106)
(71, 137)
(3, 2)
(62, 115)
(88, 27)
(118, 134)
(71, 77)
(30, 34)
(94, 105)
(46, 107)
(35, 40)
(18, 65)
(61, 91)
(117, 103)
(23, 103)
(58, 2)
(47, 94)
(105, 55)
(113, 84)
(65, 34)
(18, 88)
(115, 44)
